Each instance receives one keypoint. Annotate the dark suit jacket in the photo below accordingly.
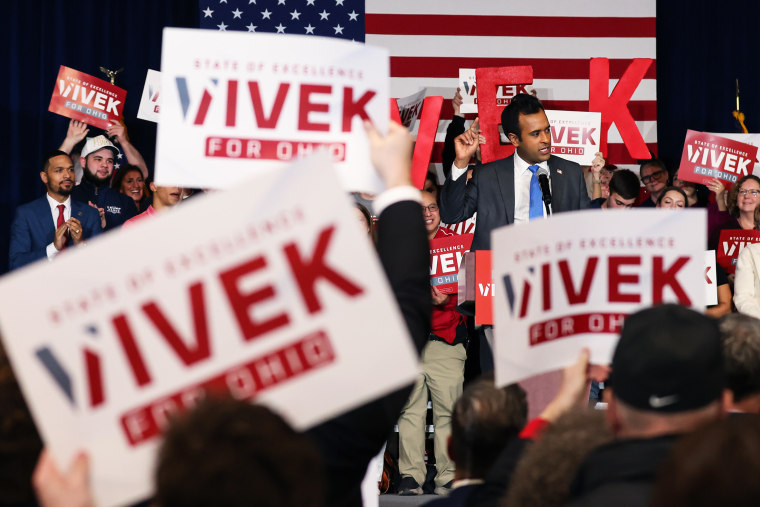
(349, 441)
(33, 229)
(491, 192)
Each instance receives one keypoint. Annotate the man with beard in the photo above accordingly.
(97, 159)
(45, 226)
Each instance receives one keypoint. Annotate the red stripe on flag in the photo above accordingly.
(617, 153)
(543, 68)
(512, 26)
(641, 110)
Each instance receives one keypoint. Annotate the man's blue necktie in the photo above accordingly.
(536, 199)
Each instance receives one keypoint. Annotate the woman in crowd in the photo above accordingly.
(696, 194)
(129, 181)
(742, 210)
(672, 197)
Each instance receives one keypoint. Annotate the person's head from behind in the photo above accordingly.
(230, 452)
(741, 359)
(673, 198)
(97, 158)
(718, 464)
(546, 469)
(129, 181)
(58, 174)
(624, 189)
(526, 126)
(483, 420)
(667, 373)
(654, 176)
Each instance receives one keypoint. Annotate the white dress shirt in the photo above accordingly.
(51, 250)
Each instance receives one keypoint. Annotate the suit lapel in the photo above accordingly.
(556, 183)
(44, 223)
(505, 177)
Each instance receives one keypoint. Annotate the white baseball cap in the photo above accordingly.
(94, 144)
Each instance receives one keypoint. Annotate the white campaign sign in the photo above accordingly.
(236, 103)
(409, 108)
(469, 92)
(711, 279)
(575, 135)
(149, 102)
(270, 290)
(569, 281)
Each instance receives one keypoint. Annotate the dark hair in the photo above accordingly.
(733, 194)
(522, 103)
(717, 464)
(674, 189)
(51, 155)
(483, 420)
(364, 211)
(230, 452)
(741, 354)
(546, 469)
(625, 184)
(656, 162)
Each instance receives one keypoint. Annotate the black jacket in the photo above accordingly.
(620, 473)
(118, 207)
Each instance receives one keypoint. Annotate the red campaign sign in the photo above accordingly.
(87, 98)
(484, 290)
(730, 245)
(707, 156)
(489, 112)
(426, 129)
(445, 258)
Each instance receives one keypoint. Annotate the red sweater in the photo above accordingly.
(446, 317)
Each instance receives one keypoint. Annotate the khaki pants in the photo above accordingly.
(443, 373)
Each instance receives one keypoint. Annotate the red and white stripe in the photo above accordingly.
(430, 40)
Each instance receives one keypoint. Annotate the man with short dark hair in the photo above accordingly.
(45, 226)
(655, 177)
(741, 353)
(484, 420)
(507, 191)
(667, 380)
(624, 189)
(97, 159)
(164, 198)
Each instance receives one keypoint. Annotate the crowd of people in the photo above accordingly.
(683, 386)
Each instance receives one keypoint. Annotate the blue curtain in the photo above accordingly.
(38, 36)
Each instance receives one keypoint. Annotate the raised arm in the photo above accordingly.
(119, 131)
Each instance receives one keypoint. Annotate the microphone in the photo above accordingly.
(543, 182)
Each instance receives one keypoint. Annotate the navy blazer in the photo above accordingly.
(33, 229)
(491, 193)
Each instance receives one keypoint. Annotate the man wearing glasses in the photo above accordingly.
(442, 365)
(654, 176)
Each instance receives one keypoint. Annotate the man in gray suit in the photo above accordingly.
(506, 191)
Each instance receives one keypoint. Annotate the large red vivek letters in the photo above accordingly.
(488, 78)
(614, 107)
(427, 127)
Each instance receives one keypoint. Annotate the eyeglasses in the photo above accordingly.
(752, 193)
(432, 208)
(654, 176)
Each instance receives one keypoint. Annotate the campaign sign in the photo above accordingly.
(752, 139)
(484, 288)
(409, 108)
(569, 282)
(86, 98)
(445, 258)
(237, 103)
(575, 135)
(707, 156)
(731, 243)
(149, 105)
(711, 280)
(468, 89)
(276, 296)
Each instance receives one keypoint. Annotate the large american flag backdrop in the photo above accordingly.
(430, 40)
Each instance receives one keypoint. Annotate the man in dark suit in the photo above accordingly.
(45, 226)
(506, 191)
